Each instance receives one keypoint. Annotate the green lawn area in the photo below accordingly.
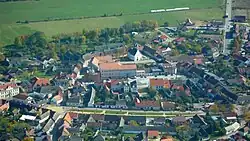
(37, 10)
(115, 112)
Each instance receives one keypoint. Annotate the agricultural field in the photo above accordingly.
(12, 12)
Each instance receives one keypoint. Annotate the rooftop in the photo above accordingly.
(117, 66)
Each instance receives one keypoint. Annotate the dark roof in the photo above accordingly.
(198, 71)
(140, 119)
(149, 50)
(112, 118)
(179, 119)
(132, 51)
(99, 138)
(229, 93)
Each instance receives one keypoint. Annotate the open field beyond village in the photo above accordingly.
(11, 12)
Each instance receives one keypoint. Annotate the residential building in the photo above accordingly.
(168, 106)
(180, 120)
(8, 90)
(232, 128)
(152, 134)
(159, 84)
(148, 105)
(97, 60)
(117, 70)
(39, 82)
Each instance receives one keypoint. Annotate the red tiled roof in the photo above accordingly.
(180, 39)
(163, 37)
(160, 82)
(41, 81)
(148, 103)
(117, 66)
(180, 88)
(6, 85)
(153, 133)
(156, 82)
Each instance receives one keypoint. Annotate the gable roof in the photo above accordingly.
(148, 103)
(7, 85)
(117, 66)
(41, 81)
(159, 82)
(153, 133)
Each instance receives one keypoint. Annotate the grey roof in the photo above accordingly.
(132, 51)
(48, 125)
(141, 119)
(179, 119)
(74, 99)
(99, 138)
(45, 115)
(49, 89)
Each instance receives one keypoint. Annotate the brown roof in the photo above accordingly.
(117, 66)
(98, 117)
(166, 105)
(159, 82)
(41, 81)
(102, 59)
(153, 133)
(148, 103)
(6, 85)
(22, 96)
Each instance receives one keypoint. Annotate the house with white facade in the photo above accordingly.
(8, 90)
(135, 54)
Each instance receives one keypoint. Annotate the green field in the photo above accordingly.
(12, 12)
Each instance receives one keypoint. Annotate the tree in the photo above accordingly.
(84, 39)
(214, 108)
(134, 123)
(121, 31)
(166, 24)
(93, 34)
(152, 92)
(18, 41)
(2, 57)
(126, 39)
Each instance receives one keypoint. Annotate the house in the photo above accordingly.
(97, 60)
(152, 134)
(117, 70)
(230, 117)
(179, 41)
(98, 138)
(135, 54)
(168, 106)
(179, 120)
(232, 128)
(39, 82)
(148, 105)
(8, 90)
(168, 138)
(159, 84)
(75, 101)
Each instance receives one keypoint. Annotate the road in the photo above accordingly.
(226, 42)
(120, 112)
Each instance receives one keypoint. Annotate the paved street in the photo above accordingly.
(226, 51)
(123, 112)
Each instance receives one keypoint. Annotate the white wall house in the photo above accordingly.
(135, 55)
(8, 90)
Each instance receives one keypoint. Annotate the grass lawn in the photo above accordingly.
(36, 10)
(115, 112)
